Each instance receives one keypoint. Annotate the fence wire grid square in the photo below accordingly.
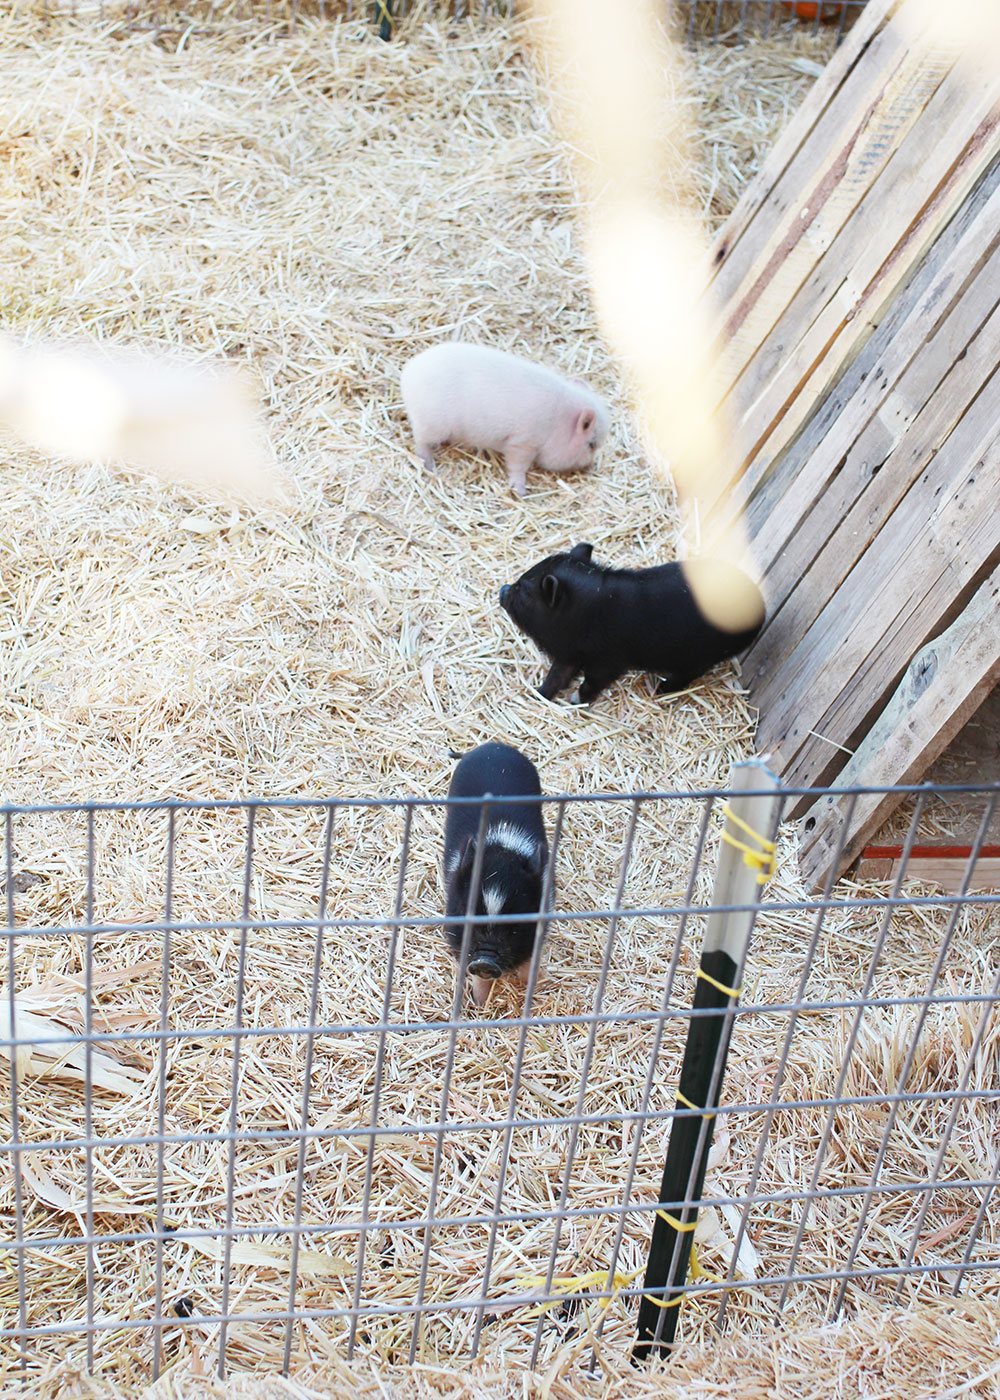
(236, 1113)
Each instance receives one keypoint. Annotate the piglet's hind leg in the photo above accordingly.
(672, 682)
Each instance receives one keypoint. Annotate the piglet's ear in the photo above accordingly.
(536, 862)
(582, 552)
(466, 856)
(551, 588)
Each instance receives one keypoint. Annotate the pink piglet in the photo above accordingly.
(473, 396)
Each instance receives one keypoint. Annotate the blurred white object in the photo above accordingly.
(183, 422)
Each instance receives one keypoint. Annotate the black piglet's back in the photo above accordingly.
(505, 772)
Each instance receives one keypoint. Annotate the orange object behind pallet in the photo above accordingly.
(922, 852)
(811, 9)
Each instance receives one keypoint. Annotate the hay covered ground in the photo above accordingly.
(318, 206)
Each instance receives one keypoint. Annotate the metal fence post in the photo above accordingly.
(744, 866)
(383, 18)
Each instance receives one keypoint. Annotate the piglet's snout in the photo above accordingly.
(504, 595)
(480, 965)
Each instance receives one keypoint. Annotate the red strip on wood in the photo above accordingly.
(934, 852)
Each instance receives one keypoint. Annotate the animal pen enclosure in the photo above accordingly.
(318, 206)
(244, 1154)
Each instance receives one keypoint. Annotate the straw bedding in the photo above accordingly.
(917, 1354)
(319, 206)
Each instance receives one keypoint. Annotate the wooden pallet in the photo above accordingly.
(948, 869)
(953, 822)
(860, 284)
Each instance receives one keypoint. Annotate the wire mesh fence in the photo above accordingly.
(713, 20)
(247, 1124)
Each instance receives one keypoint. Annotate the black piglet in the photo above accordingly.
(515, 854)
(600, 622)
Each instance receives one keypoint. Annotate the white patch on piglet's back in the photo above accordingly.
(512, 838)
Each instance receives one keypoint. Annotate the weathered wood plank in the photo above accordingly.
(777, 245)
(942, 688)
(860, 283)
(881, 469)
(833, 423)
(851, 154)
(836, 150)
(899, 594)
(870, 686)
(947, 872)
(954, 367)
(732, 250)
(949, 144)
(954, 556)
(836, 588)
(973, 757)
(812, 468)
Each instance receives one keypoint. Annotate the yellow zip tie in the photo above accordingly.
(677, 1224)
(579, 1283)
(762, 841)
(695, 1272)
(698, 1272)
(582, 1283)
(663, 1302)
(762, 860)
(683, 1099)
(720, 986)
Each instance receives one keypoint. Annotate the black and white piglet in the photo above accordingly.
(603, 622)
(515, 853)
